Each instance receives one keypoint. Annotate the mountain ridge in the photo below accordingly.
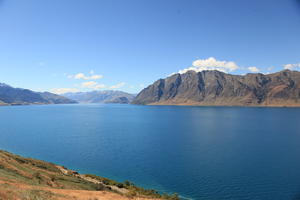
(105, 96)
(215, 88)
(19, 96)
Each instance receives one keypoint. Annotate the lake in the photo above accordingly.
(209, 153)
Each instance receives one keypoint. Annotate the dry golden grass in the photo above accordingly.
(30, 179)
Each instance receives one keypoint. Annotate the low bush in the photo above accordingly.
(100, 187)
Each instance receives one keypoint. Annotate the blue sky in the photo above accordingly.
(72, 45)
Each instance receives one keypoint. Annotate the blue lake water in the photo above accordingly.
(209, 153)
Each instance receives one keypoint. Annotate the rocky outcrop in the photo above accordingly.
(218, 88)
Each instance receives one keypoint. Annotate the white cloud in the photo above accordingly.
(291, 66)
(99, 86)
(95, 77)
(79, 76)
(211, 64)
(92, 85)
(119, 85)
(84, 77)
(253, 69)
(63, 90)
(88, 84)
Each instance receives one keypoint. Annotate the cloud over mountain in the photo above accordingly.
(253, 69)
(119, 85)
(291, 66)
(211, 63)
(92, 85)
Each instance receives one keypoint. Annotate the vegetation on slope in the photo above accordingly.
(26, 178)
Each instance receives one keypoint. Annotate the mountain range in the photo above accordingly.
(107, 96)
(19, 96)
(207, 88)
(221, 89)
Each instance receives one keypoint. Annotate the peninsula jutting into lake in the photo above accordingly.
(27, 178)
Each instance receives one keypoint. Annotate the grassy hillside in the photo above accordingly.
(30, 179)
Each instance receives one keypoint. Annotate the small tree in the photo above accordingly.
(128, 183)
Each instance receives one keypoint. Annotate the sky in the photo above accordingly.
(82, 45)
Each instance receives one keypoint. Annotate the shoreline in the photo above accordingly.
(166, 104)
(217, 106)
(44, 176)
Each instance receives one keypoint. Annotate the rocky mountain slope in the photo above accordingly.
(30, 179)
(221, 89)
(108, 96)
(19, 96)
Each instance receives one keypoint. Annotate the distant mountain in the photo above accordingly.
(218, 88)
(56, 99)
(19, 96)
(108, 96)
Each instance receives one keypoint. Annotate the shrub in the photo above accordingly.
(120, 185)
(106, 182)
(100, 187)
(131, 193)
(37, 175)
(171, 197)
(52, 177)
(128, 183)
